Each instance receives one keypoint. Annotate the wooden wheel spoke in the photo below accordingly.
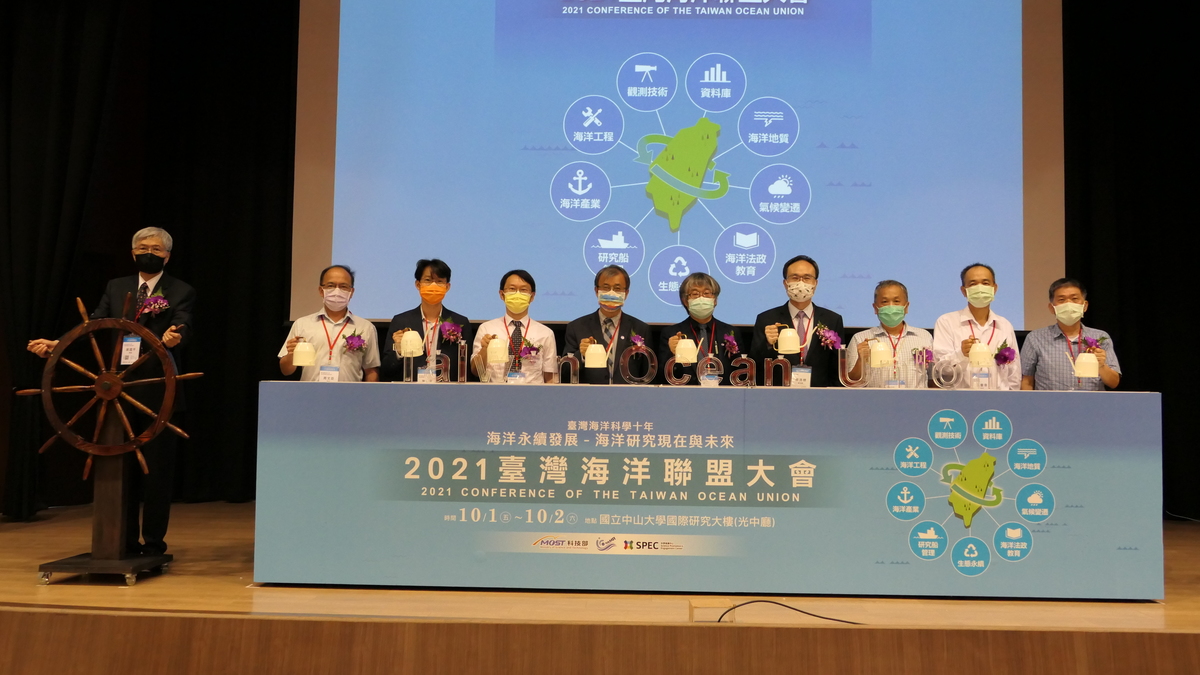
(138, 404)
(76, 367)
(116, 355)
(100, 421)
(160, 380)
(142, 460)
(141, 359)
(82, 311)
(96, 351)
(73, 389)
(87, 467)
(47, 444)
(87, 406)
(124, 419)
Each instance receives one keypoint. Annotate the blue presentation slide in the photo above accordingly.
(670, 137)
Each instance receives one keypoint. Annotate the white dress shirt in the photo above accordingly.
(151, 283)
(904, 364)
(952, 328)
(802, 321)
(313, 328)
(539, 334)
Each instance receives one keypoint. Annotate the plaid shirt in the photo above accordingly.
(1045, 357)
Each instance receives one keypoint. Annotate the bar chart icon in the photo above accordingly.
(715, 75)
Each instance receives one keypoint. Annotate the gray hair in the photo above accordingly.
(147, 232)
(697, 279)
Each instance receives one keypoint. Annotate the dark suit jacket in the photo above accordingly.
(588, 325)
(181, 297)
(687, 327)
(391, 366)
(823, 361)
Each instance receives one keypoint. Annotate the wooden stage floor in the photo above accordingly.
(210, 583)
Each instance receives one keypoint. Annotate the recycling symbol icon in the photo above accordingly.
(679, 261)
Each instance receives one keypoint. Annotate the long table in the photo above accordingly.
(727, 490)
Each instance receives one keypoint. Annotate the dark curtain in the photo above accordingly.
(1126, 220)
(122, 114)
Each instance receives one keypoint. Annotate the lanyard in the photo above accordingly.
(431, 339)
(896, 344)
(513, 349)
(971, 325)
(334, 340)
(712, 334)
(1078, 346)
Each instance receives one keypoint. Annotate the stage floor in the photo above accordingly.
(212, 575)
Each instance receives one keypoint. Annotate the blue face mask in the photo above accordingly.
(891, 315)
(702, 308)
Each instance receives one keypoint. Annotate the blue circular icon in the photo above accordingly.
(992, 429)
(745, 253)
(614, 243)
(928, 540)
(1013, 542)
(647, 81)
(913, 457)
(780, 194)
(947, 428)
(715, 82)
(905, 501)
(1035, 503)
(593, 124)
(1027, 458)
(670, 267)
(768, 126)
(580, 191)
(971, 556)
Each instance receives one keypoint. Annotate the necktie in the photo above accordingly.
(514, 347)
(143, 293)
(608, 336)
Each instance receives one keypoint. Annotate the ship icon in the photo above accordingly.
(928, 534)
(617, 241)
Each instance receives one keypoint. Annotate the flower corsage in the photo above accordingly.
(829, 337)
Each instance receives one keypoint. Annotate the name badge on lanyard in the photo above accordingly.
(801, 377)
(131, 349)
(327, 374)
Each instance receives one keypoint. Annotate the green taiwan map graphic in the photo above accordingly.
(969, 489)
(677, 173)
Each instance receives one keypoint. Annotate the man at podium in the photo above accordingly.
(163, 304)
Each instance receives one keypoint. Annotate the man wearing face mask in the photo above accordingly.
(903, 342)
(532, 356)
(956, 332)
(1048, 353)
(346, 345)
(800, 278)
(610, 327)
(429, 319)
(149, 289)
(699, 293)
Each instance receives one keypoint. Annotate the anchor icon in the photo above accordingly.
(578, 180)
(905, 496)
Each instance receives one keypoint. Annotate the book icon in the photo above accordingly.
(746, 240)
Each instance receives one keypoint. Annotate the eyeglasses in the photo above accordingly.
(156, 250)
(332, 287)
(611, 289)
(706, 293)
(806, 278)
(434, 282)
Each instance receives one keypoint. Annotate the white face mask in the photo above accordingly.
(336, 299)
(800, 291)
(980, 296)
(1068, 313)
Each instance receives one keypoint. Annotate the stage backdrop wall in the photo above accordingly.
(121, 113)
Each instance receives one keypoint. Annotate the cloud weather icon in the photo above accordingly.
(1036, 498)
(781, 187)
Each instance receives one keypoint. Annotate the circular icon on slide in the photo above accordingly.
(905, 501)
(1035, 503)
(768, 126)
(780, 194)
(614, 242)
(670, 267)
(580, 191)
(992, 429)
(716, 82)
(971, 556)
(1027, 458)
(928, 540)
(1013, 542)
(593, 125)
(744, 253)
(647, 82)
(913, 457)
(947, 428)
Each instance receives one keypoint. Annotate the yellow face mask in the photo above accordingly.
(517, 303)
